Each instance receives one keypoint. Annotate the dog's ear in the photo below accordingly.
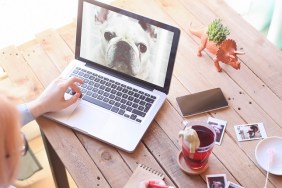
(149, 28)
(101, 15)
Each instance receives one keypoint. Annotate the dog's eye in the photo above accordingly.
(108, 36)
(142, 47)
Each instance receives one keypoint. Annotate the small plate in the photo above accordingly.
(182, 164)
(273, 143)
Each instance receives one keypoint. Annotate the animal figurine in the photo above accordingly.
(214, 40)
(191, 139)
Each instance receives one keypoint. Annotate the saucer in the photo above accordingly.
(182, 164)
(262, 155)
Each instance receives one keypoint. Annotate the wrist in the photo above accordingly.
(35, 108)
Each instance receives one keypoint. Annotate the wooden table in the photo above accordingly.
(254, 94)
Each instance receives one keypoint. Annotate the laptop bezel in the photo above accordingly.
(128, 78)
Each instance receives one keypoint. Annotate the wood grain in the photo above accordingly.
(253, 92)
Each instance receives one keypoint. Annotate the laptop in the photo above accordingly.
(126, 62)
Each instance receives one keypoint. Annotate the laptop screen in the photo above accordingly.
(129, 44)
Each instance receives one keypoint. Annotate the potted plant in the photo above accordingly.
(217, 32)
(214, 39)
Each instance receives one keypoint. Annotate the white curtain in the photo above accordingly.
(264, 15)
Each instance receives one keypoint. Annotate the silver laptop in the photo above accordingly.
(126, 61)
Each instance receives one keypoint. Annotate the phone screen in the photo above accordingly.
(201, 102)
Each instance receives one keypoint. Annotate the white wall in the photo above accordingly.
(21, 20)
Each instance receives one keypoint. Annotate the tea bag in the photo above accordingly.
(191, 137)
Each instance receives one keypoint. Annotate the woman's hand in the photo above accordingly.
(145, 184)
(52, 99)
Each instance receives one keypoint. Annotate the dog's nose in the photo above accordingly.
(123, 57)
(123, 45)
(123, 52)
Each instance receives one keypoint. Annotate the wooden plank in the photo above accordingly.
(165, 152)
(108, 160)
(207, 82)
(224, 116)
(260, 93)
(115, 182)
(222, 153)
(239, 102)
(94, 152)
(68, 33)
(250, 39)
(56, 48)
(121, 164)
(14, 92)
(257, 89)
(238, 99)
(144, 156)
(39, 62)
(256, 62)
(267, 105)
(180, 69)
(107, 157)
(161, 111)
(253, 84)
(77, 161)
(160, 143)
(200, 79)
(57, 167)
(3, 74)
(20, 73)
(177, 13)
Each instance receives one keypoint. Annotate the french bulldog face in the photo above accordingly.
(126, 44)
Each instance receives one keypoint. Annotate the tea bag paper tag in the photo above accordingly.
(191, 139)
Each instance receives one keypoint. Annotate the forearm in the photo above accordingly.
(26, 115)
(30, 111)
(51, 100)
(36, 108)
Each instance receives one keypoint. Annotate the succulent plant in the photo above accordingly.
(217, 32)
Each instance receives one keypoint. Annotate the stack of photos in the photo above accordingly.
(220, 181)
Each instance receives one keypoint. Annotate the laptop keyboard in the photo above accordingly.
(112, 95)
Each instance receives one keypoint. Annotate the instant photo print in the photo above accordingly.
(251, 131)
(219, 128)
(216, 180)
(233, 185)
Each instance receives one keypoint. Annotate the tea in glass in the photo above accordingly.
(199, 158)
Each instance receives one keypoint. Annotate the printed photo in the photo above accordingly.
(233, 185)
(216, 181)
(250, 131)
(219, 127)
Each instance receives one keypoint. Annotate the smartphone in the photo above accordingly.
(201, 102)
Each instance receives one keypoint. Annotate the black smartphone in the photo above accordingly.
(201, 102)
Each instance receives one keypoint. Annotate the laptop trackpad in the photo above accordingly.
(63, 115)
(88, 118)
(107, 126)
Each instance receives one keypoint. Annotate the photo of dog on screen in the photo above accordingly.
(126, 46)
